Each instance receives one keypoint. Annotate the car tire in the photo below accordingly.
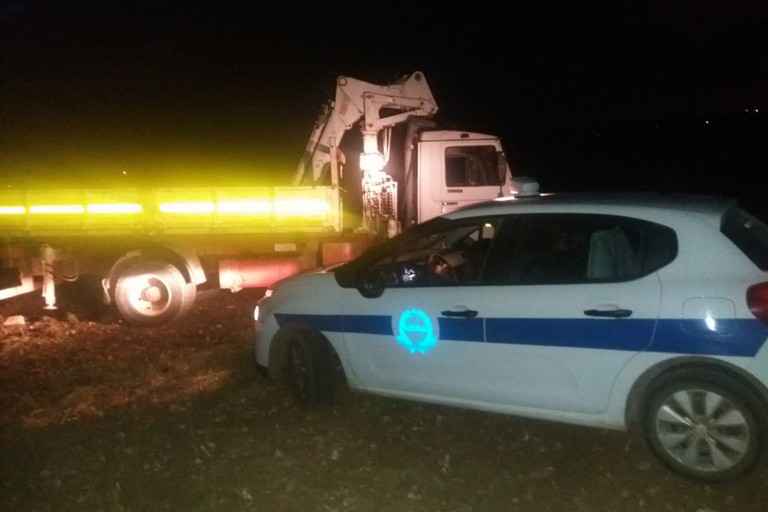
(310, 370)
(703, 425)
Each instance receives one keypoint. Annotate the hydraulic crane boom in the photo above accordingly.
(356, 100)
(372, 105)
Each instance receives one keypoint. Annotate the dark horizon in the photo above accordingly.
(638, 95)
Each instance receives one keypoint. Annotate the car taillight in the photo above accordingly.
(757, 301)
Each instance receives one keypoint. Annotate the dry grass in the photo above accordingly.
(99, 416)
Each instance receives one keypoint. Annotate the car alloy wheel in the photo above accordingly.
(702, 430)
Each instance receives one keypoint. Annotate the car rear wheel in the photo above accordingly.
(703, 427)
(310, 370)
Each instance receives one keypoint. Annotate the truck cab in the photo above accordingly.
(473, 166)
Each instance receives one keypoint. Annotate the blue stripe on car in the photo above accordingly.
(363, 324)
(368, 324)
(461, 329)
(613, 334)
(732, 337)
(331, 323)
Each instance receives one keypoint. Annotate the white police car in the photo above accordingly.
(634, 311)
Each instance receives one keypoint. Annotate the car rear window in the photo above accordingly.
(749, 234)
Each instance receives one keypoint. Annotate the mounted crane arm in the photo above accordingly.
(357, 100)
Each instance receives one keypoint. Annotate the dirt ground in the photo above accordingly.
(96, 415)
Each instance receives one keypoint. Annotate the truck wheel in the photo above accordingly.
(703, 426)
(151, 293)
(310, 371)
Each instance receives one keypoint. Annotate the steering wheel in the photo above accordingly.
(440, 269)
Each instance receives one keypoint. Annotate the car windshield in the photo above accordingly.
(416, 257)
(383, 252)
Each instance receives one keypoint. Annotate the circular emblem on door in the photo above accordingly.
(415, 331)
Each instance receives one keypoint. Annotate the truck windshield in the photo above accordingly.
(471, 166)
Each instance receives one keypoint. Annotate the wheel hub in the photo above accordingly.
(151, 294)
(700, 430)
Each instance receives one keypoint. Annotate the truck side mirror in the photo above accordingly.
(502, 168)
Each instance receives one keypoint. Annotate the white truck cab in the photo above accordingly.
(474, 169)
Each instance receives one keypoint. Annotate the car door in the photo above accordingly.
(574, 302)
(421, 337)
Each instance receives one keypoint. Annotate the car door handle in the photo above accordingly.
(461, 313)
(609, 313)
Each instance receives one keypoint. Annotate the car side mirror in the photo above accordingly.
(372, 281)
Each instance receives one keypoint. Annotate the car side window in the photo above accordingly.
(578, 248)
(452, 255)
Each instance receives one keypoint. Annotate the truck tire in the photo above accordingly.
(703, 425)
(152, 293)
(310, 370)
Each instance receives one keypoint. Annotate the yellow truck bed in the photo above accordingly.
(39, 212)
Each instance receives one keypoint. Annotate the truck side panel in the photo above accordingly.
(42, 213)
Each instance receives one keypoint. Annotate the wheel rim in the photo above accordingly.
(702, 430)
(149, 295)
(299, 371)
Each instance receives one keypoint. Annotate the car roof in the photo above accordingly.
(707, 205)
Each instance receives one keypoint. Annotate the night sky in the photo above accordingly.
(654, 94)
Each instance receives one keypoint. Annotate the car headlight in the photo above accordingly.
(256, 311)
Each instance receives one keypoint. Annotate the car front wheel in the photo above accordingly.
(310, 371)
(703, 428)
